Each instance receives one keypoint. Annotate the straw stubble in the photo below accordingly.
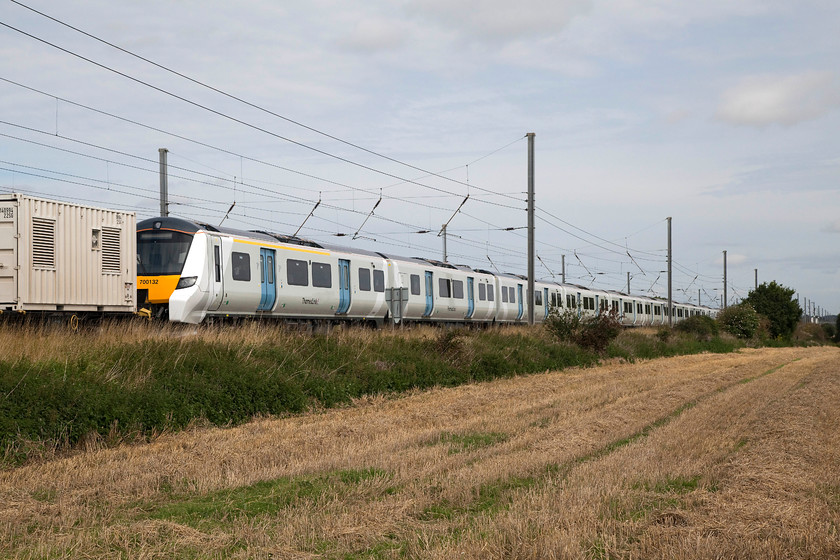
(703, 456)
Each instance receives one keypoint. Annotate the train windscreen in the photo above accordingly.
(162, 252)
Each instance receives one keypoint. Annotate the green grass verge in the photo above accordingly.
(133, 390)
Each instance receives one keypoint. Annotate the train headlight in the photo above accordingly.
(186, 282)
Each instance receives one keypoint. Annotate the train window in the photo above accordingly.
(628, 307)
(415, 284)
(639, 308)
(444, 287)
(241, 266)
(458, 289)
(217, 263)
(378, 280)
(657, 310)
(512, 294)
(570, 301)
(537, 298)
(647, 309)
(364, 279)
(297, 272)
(482, 292)
(615, 306)
(553, 299)
(504, 294)
(321, 275)
(270, 269)
(491, 295)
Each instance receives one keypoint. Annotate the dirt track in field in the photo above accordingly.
(709, 456)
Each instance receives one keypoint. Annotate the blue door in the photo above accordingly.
(470, 298)
(545, 302)
(430, 295)
(343, 286)
(267, 284)
(521, 306)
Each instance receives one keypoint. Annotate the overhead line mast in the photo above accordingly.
(531, 250)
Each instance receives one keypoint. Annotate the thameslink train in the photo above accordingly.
(190, 271)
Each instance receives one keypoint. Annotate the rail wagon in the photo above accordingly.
(58, 257)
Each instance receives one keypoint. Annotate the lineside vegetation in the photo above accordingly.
(126, 382)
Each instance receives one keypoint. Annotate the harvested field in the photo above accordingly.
(704, 456)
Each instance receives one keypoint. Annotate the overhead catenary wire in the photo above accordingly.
(236, 98)
(234, 119)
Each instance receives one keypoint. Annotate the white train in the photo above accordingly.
(190, 271)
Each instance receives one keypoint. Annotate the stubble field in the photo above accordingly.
(704, 456)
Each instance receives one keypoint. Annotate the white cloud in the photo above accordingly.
(833, 227)
(371, 35)
(778, 99)
(501, 20)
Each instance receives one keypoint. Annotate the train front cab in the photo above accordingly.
(162, 248)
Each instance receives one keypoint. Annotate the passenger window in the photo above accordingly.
(504, 294)
(415, 284)
(458, 289)
(378, 281)
(512, 295)
(321, 275)
(270, 269)
(537, 298)
(364, 279)
(297, 273)
(241, 264)
(482, 292)
(491, 295)
(444, 287)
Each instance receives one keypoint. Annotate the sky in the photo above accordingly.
(722, 115)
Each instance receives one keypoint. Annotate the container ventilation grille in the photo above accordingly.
(111, 250)
(43, 243)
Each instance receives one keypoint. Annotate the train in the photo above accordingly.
(192, 272)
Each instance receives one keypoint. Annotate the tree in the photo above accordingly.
(776, 302)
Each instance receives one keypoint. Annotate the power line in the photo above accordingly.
(240, 121)
(239, 99)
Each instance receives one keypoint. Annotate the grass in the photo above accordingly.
(657, 459)
(261, 499)
(131, 381)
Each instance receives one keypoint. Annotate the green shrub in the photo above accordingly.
(563, 324)
(740, 320)
(776, 302)
(830, 331)
(591, 333)
(700, 325)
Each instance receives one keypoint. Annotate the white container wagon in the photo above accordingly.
(57, 257)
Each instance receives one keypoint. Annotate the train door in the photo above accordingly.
(519, 300)
(546, 307)
(470, 298)
(430, 294)
(343, 286)
(268, 286)
(217, 279)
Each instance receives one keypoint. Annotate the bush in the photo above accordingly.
(740, 320)
(702, 326)
(776, 302)
(809, 333)
(830, 331)
(592, 333)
